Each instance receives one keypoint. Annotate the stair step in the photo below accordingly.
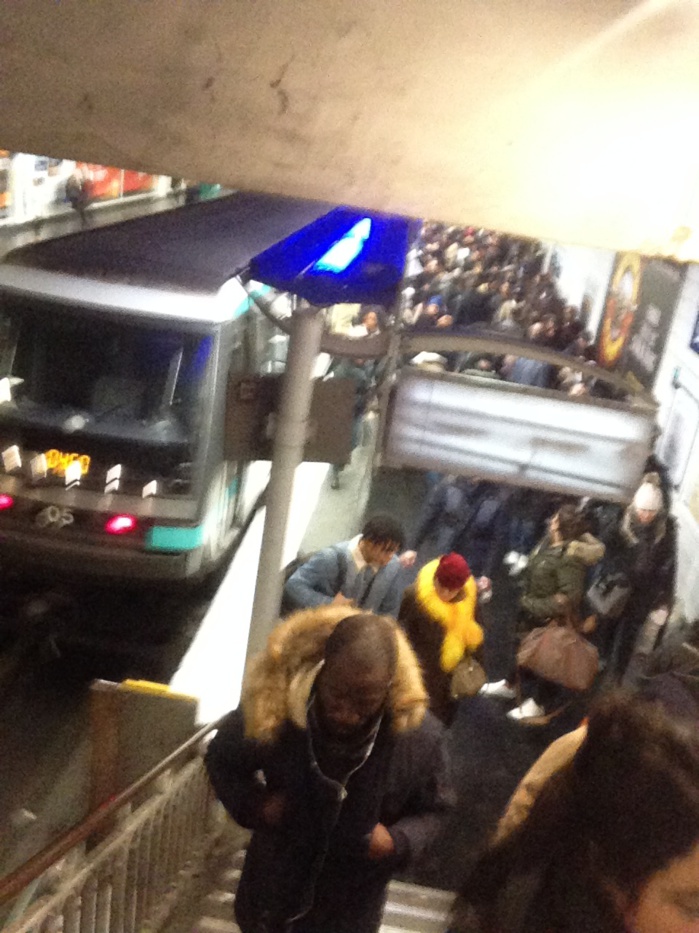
(410, 908)
(219, 904)
(386, 929)
(415, 919)
(415, 895)
(239, 858)
(215, 925)
(228, 879)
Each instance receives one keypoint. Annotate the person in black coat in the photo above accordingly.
(642, 547)
(334, 763)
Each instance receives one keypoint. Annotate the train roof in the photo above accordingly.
(195, 248)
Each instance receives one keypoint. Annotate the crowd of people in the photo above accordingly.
(463, 279)
(337, 758)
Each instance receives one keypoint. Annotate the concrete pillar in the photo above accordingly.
(289, 441)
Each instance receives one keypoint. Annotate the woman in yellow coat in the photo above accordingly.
(438, 614)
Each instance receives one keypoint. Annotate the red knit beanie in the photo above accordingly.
(452, 571)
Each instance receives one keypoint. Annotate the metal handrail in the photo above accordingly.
(488, 341)
(11, 885)
(474, 338)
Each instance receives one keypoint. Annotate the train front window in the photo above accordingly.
(102, 377)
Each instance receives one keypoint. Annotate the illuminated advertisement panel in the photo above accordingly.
(135, 182)
(5, 193)
(638, 311)
(103, 183)
(516, 434)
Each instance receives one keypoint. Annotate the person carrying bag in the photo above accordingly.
(558, 653)
(438, 614)
(554, 584)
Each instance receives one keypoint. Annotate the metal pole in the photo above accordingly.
(289, 440)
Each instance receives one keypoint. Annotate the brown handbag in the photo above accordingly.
(560, 654)
(467, 678)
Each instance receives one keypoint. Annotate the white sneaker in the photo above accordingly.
(528, 710)
(498, 688)
(510, 558)
(519, 565)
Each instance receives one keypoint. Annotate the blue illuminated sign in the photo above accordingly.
(346, 250)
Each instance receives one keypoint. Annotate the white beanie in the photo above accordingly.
(648, 496)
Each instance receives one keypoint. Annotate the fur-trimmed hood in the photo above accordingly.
(278, 681)
(587, 549)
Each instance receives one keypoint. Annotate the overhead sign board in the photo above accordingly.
(516, 434)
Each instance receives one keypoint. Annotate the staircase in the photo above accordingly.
(409, 909)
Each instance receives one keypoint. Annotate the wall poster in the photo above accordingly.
(638, 311)
(5, 192)
(103, 182)
(661, 282)
(134, 182)
(619, 309)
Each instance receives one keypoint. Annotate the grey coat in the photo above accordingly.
(332, 570)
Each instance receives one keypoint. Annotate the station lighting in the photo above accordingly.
(6, 502)
(346, 250)
(120, 524)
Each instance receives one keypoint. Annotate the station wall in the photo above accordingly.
(677, 390)
(586, 272)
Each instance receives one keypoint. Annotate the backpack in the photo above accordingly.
(287, 607)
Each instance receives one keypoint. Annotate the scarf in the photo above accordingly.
(462, 634)
(338, 758)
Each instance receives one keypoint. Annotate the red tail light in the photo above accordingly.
(120, 524)
(6, 502)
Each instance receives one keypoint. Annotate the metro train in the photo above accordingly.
(116, 347)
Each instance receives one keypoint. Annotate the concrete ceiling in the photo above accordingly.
(576, 121)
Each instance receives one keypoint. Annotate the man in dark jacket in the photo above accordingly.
(334, 764)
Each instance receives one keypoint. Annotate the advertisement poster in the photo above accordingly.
(620, 308)
(5, 193)
(137, 181)
(661, 282)
(103, 183)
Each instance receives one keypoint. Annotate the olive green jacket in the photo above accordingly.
(558, 569)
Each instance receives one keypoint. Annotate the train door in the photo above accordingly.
(224, 507)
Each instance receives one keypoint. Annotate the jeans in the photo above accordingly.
(522, 537)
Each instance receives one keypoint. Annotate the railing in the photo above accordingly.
(131, 881)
